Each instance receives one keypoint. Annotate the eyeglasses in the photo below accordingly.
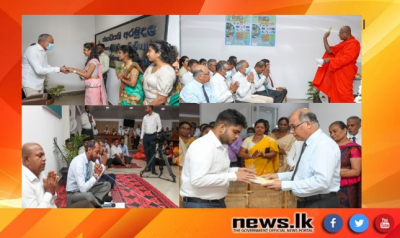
(295, 126)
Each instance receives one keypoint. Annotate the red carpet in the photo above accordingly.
(131, 189)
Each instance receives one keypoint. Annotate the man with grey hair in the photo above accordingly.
(35, 65)
(316, 177)
(199, 90)
(354, 129)
(247, 87)
(211, 64)
(223, 90)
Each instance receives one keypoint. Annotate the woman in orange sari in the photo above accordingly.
(260, 152)
(285, 141)
(95, 93)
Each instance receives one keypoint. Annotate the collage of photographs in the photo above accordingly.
(191, 111)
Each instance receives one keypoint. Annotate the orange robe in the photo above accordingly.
(335, 79)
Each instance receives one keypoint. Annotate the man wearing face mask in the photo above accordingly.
(206, 173)
(247, 87)
(223, 90)
(83, 176)
(35, 65)
(250, 131)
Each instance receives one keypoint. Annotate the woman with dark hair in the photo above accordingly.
(95, 93)
(183, 66)
(285, 141)
(205, 130)
(131, 91)
(260, 152)
(350, 170)
(159, 77)
(184, 141)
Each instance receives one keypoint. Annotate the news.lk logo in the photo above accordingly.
(358, 223)
(333, 223)
(384, 223)
(301, 224)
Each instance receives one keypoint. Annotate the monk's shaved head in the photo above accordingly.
(346, 29)
(345, 33)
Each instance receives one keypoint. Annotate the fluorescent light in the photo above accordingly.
(131, 108)
(163, 108)
(107, 107)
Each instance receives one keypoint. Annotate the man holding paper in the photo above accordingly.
(335, 77)
(206, 173)
(316, 177)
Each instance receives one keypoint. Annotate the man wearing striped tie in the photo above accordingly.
(354, 129)
(83, 176)
(316, 177)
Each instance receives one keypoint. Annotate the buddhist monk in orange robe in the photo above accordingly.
(335, 77)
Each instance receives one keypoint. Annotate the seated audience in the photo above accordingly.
(224, 91)
(211, 64)
(188, 76)
(198, 90)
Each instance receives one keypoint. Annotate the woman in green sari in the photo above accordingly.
(131, 91)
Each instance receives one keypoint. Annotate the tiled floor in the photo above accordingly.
(77, 98)
(169, 189)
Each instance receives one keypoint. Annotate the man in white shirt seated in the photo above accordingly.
(206, 173)
(316, 177)
(82, 180)
(107, 147)
(211, 64)
(103, 159)
(354, 129)
(38, 191)
(125, 151)
(117, 157)
(82, 149)
(278, 93)
(224, 91)
(106, 131)
(35, 65)
(188, 76)
(199, 90)
(247, 88)
(95, 131)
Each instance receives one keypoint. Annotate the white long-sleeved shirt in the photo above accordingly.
(77, 174)
(33, 193)
(206, 173)
(246, 89)
(259, 81)
(294, 153)
(35, 67)
(151, 124)
(72, 125)
(220, 88)
(187, 78)
(319, 168)
(86, 123)
(105, 62)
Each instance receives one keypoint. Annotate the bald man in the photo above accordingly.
(38, 191)
(316, 177)
(335, 77)
(198, 90)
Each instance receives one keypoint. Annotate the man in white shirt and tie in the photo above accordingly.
(35, 65)
(104, 61)
(354, 129)
(206, 173)
(223, 90)
(151, 124)
(38, 191)
(316, 176)
(246, 79)
(88, 122)
(188, 76)
(199, 90)
(83, 176)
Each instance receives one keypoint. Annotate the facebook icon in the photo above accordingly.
(333, 223)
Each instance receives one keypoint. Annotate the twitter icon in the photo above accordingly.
(358, 223)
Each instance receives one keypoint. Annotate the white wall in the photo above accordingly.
(69, 33)
(104, 22)
(40, 126)
(334, 112)
(298, 43)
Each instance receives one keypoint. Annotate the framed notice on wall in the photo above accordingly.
(258, 30)
(138, 33)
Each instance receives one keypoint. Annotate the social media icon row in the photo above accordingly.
(358, 223)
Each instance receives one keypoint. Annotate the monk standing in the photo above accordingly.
(335, 77)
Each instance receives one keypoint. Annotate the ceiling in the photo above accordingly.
(134, 112)
(189, 109)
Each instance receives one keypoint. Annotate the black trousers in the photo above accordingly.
(331, 202)
(105, 80)
(87, 132)
(136, 143)
(278, 96)
(149, 145)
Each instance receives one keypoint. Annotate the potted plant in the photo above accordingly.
(53, 92)
(68, 152)
(313, 93)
